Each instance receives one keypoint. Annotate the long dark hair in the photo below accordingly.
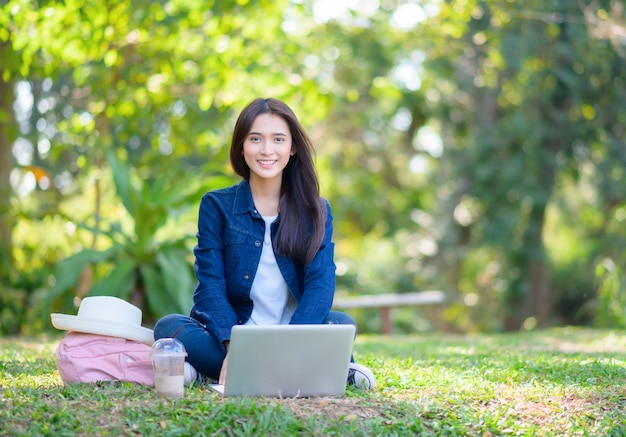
(302, 212)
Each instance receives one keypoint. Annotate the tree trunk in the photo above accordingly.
(7, 133)
(533, 287)
(537, 303)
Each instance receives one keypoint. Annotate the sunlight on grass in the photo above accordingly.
(559, 382)
(563, 382)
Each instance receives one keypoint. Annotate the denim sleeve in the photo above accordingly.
(319, 281)
(211, 305)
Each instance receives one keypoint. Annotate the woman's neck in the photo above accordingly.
(266, 196)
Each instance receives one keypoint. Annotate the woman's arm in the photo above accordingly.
(211, 305)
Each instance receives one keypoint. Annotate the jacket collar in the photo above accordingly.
(243, 199)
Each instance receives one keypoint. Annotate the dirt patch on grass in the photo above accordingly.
(333, 408)
(552, 411)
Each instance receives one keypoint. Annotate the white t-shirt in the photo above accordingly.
(273, 304)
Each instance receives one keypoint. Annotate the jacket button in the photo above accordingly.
(257, 243)
(246, 276)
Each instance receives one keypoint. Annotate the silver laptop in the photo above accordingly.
(288, 360)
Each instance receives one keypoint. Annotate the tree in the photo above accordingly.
(525, 79)
(458, 141)
(157, 82)
(515, 91)
(7, 133)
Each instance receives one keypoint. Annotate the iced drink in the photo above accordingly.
(168, 360)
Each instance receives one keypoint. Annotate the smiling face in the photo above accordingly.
(267, 148)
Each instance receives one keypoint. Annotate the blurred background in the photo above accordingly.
(474, 147)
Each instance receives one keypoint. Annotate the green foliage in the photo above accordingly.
(574, 294)
(514, 91)
(148, 81)
(549, 383)
(482, 146)
(138, 264)
(13, 310)
(611, 301)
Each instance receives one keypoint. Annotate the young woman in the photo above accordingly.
(264, 252)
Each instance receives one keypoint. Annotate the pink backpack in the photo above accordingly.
(90, 358)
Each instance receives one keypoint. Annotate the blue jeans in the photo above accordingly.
(204, 352)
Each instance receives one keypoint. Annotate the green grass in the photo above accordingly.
(560, 382)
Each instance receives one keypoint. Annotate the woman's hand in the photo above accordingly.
(222, 379)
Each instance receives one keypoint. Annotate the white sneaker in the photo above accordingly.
(361, 377)
(191, 374)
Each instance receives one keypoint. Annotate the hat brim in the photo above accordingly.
(66, 322)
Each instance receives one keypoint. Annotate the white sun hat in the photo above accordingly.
(105, 315)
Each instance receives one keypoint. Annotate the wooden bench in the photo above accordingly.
(384, 302)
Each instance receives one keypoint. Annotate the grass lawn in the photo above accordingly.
(550, 383)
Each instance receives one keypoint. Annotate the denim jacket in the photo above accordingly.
(230, 240)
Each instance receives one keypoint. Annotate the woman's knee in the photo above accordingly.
(168, 325)
(203, 351)
(340, 318)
